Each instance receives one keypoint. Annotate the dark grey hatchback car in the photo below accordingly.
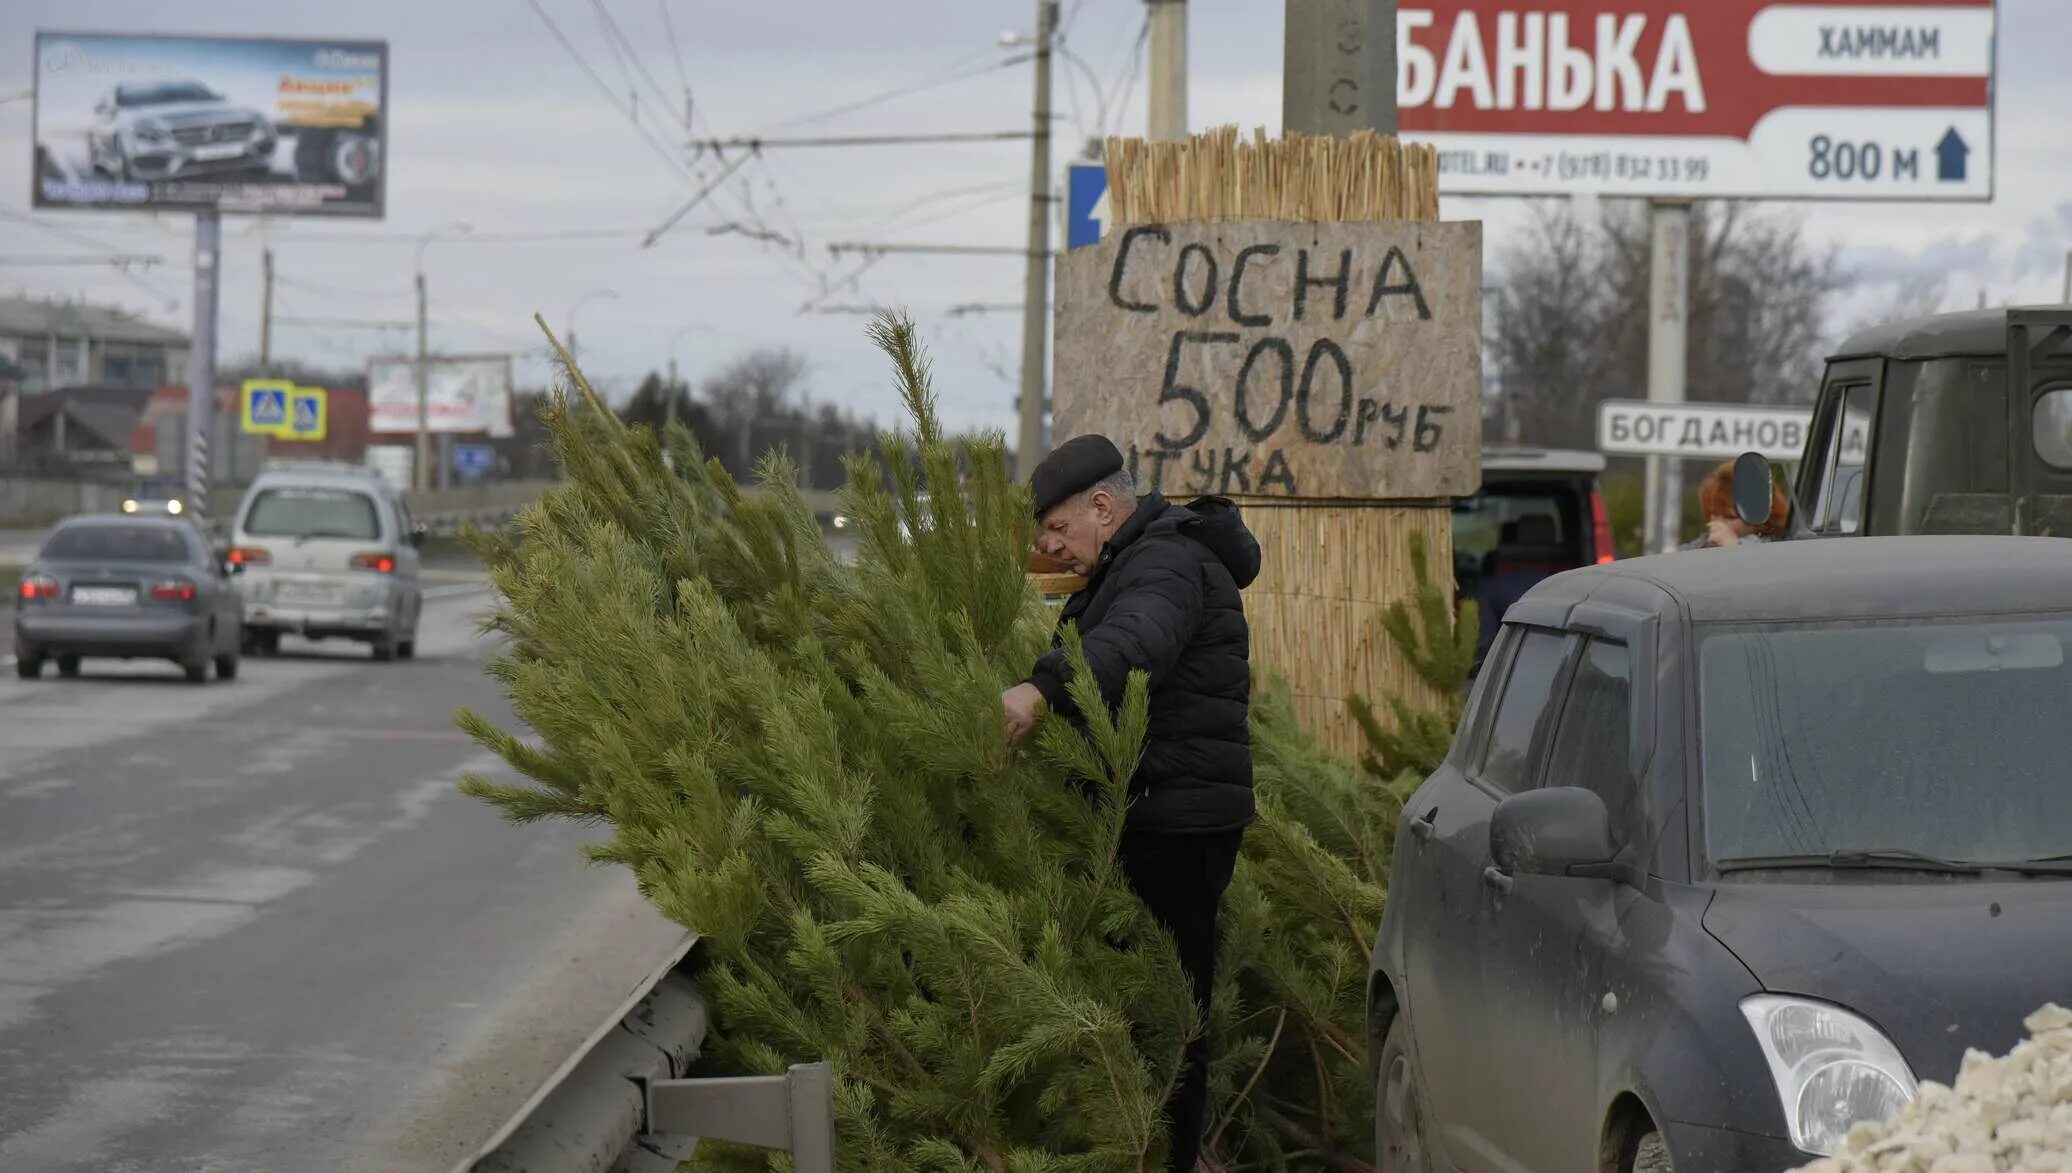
(1732, 849)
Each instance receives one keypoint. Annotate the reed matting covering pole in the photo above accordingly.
(1287, 323)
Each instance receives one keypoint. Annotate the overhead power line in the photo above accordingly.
(343, 323)
(604, 87)
(54, 260)
(959, 72)
(676, 50)
(694, 201)
(612, 30)
(860, 140)
(986, 250)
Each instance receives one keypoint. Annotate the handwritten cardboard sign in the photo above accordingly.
(1278, 359)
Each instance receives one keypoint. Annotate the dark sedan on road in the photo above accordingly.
(1733, 849)
(128, 586)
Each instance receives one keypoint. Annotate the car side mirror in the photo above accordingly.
(1754, 484)
(418, 533)
(1556, 831)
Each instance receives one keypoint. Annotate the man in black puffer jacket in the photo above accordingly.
(1161, 595)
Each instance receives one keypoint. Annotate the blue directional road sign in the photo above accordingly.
(1086, 204)
(473, 461)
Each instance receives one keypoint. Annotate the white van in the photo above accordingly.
(329, 551)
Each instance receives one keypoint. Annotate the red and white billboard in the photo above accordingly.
(1848, 99)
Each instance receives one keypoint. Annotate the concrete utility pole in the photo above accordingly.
(1029, 445)
(423, 477)
(201, 359)
(1669, 309)
(266, 312)
(1338, 67)
(1168, 104)
(422, 474)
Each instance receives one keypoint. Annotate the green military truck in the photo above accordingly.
(1954, 424)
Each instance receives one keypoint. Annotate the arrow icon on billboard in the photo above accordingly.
(1950, 154)
(1099, 215)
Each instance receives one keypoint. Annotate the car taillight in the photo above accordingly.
(37, 586)
(1601, 524)
(249, 556)
(172, 590)
(378, 563)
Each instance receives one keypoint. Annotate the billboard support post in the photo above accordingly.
(1669, 308)
(201, 359)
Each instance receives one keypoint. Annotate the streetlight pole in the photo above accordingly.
(423, 477)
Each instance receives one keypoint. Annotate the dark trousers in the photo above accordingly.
(1181, 879)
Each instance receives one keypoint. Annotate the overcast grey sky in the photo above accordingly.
(494, 123)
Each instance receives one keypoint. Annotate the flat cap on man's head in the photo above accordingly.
(1073, 467)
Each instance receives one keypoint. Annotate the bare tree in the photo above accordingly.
(757, 387)
(1570, 326)
(1549, 305)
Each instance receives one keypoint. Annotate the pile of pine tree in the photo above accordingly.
(802, 760)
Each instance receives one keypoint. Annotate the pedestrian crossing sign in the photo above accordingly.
(277, 407)
(306, 414)
(266, 405)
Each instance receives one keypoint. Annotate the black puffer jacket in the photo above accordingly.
(1164, 598)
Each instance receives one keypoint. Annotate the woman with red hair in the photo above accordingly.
(1722, 526)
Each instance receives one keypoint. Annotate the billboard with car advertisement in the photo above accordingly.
(152, 123)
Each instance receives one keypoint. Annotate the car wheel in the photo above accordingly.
(1651, 1155)
(197, 671)
(226, 667)
(68, 665)
(1401, 1130)
(28, 667)
(384, 648)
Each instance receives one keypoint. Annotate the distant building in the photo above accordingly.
(65, 343)
(74, 431)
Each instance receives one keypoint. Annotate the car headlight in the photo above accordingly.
(1833, 1069)
(147, 129)
(129, 506)
(172, 507)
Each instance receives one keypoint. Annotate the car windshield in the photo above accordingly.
(1941, 738)
(310, 512)
(159, 95)
(115, 543)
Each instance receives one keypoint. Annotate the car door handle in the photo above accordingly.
(1422, 825)
(1497, 879)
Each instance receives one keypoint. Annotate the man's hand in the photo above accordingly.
(1723, 532)
(1023, 703)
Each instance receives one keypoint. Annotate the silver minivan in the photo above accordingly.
(329, 551)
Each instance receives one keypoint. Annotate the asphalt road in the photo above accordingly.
(252, 926)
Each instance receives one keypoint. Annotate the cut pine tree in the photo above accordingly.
(802, 761)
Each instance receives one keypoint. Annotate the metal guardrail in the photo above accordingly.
(622, 1103)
